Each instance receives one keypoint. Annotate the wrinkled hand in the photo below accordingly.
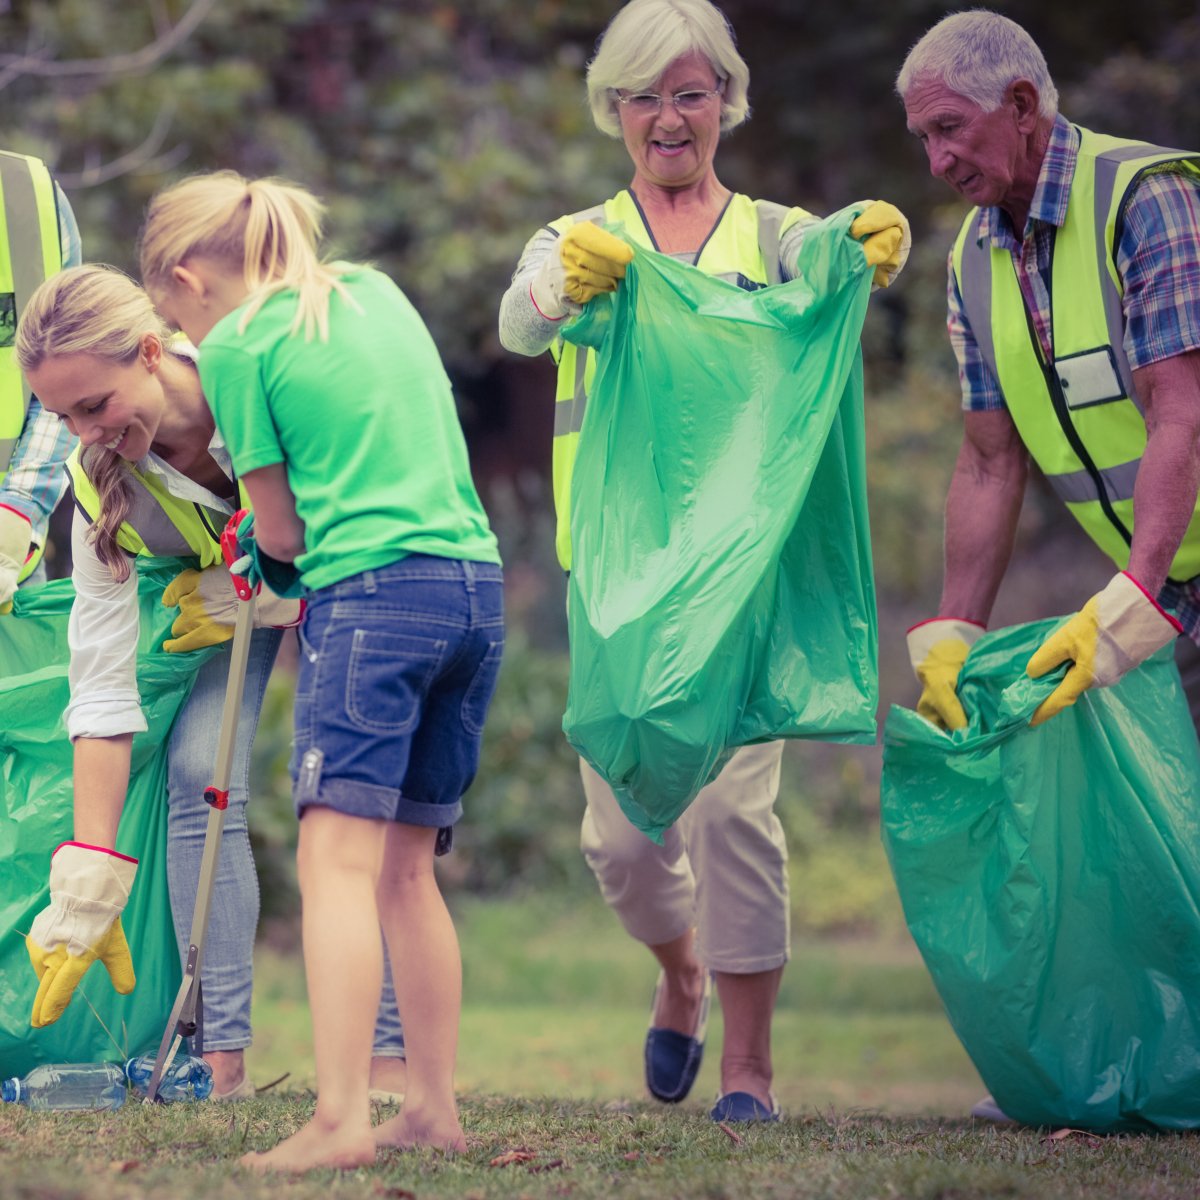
(15, 534)
(89, 888)
(937, 650)
(254, 571)
(886, 239)
(208, 604)
(1115, 631)
(590, 260)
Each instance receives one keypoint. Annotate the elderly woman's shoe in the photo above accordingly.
(741, 1106)
(673, 1059)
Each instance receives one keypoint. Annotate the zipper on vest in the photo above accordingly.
(1062, 411)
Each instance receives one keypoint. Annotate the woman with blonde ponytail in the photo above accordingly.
(340, 421)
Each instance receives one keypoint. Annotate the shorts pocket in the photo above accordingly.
(479, 693)
(388, 677)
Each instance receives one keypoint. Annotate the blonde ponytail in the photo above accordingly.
(100, 311)
(268, 230)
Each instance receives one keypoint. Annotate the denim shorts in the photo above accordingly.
(397, 668)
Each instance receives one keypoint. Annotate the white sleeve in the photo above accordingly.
(789, 246)
(523, 329)
(103, 637)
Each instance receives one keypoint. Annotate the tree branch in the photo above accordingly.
(137, 62)
(133, 160)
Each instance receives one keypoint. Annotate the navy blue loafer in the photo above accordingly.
(741, 1106)
(673, 1059)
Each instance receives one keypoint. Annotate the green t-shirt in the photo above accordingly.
(365, 423)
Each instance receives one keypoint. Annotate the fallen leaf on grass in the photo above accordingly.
(512, 1156)
(1061, 1135)
(632, 1156)
(124, 1167)
(735, 1138)
(395, 1193)
(553, 1165)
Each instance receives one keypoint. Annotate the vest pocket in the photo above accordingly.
(1089, 377)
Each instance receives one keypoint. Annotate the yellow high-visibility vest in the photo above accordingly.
(743, 249)
(159, 523)
(1079, 416)
(30, 252)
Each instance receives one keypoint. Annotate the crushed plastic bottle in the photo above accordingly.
(63, 1087)
(186, 1079)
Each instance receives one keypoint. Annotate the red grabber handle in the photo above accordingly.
(232, 551)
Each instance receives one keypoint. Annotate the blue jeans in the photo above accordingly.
(399, 665)
(227, 970)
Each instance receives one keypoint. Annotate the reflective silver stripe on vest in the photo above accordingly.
(568, 413)
(1078, 487)
(24, 228)
(148, 519)
(1107, 165)
(975, 288)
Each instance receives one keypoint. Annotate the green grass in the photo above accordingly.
(874, 1085)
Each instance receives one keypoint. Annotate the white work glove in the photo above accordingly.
(208, 609)
(15, 534)
(937, 649)
(1115, 631)
(886, 239)
(590, 260)
(89, 888)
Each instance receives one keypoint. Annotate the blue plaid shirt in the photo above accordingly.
(1158, 259)
(36, 479)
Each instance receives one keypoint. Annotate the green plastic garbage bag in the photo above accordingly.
(1051, 878)
(721, 590)
(36, 816)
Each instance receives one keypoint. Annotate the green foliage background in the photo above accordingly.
(441, 136)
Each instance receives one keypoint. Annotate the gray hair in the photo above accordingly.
(978, 54)
(646, 37)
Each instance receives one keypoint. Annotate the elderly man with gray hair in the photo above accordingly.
(1074, 312)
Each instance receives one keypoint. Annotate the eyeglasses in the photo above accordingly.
(645, 104)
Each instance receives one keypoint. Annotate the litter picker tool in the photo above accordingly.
(187, 1012)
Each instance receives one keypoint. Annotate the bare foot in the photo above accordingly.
(228, 1068)
(344, 1147)
(407, 1131)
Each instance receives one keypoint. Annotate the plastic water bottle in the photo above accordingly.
(185, 1079)
(59, 1087)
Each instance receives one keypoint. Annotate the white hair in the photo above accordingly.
(978, 54)
(646, 37)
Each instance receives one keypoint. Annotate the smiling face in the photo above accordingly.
(670, 149)
(116, 405)
(984, 156)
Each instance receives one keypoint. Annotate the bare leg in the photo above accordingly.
(679, 1000)
(339, 859)
(389, 1074)
(427, 970)
(747, 1006)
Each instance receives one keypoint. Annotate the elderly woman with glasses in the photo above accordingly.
(667, 79)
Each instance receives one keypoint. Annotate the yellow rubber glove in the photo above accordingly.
(1115, 631)
(590, 260)
(89, 888)
(15, 533)
(937, 650)
(208, 609)
(886, 238)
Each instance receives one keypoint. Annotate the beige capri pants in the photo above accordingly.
(722, 866)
